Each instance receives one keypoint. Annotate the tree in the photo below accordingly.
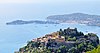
(73, 50)
(80, 47)
(63, 48)
(95, 50)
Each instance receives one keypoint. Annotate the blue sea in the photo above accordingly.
(13, 37)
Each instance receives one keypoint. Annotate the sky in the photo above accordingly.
(38, 9)
(34, 1)
(27, 1)
(41, 1)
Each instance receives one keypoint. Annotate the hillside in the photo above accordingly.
(80, 18)
(62, 41)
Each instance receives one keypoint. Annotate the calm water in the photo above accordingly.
(12, 37)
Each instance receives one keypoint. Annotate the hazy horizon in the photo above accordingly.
(39, 9)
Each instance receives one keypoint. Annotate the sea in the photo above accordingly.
(13, 37)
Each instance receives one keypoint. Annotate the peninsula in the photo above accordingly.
(81, 18)
(21, 22)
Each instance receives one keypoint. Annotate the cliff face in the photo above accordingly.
(62, 41)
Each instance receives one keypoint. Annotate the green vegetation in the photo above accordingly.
(71, 39)
(63, 41)
(95, 50)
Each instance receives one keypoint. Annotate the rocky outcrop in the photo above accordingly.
(62, 41)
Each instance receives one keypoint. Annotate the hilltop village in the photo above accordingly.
(62, 41)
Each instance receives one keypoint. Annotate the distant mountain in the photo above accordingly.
(20, 22)
(76, 18)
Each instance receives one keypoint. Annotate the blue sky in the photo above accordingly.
(33, 9)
